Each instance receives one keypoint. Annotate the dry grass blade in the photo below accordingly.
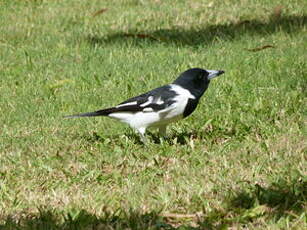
(99, 12)
(260, 48)
(277, 12)
(180, 216)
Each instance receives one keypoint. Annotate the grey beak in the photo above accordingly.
(214, 73)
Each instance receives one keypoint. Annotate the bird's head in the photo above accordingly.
(197, 80)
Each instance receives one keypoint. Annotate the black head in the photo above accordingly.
(197, 80)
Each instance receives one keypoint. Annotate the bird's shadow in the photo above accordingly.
(207, 35)
(174, 138)
(96, 137)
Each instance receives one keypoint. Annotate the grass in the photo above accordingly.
(238, 162)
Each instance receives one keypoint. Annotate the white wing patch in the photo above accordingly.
(159, 101)
(150, 100)
(148, 109)
(126, 104)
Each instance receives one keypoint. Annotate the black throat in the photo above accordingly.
(190, 107)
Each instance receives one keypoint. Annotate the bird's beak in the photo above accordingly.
(214, 73)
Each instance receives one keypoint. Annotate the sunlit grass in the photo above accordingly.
(238, 161)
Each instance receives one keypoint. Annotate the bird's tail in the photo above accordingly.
(103, 112)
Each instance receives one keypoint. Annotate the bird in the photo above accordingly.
(160, 106)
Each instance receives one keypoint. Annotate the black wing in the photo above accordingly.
(154, 100)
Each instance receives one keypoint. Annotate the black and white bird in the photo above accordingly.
(163, 105)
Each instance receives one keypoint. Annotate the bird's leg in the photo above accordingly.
(142, 131)
(162, 130)
(143, 139)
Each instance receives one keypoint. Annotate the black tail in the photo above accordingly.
(103, 112)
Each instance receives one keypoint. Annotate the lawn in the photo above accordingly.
(239, 161)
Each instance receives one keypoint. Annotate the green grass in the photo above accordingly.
(238, 162)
